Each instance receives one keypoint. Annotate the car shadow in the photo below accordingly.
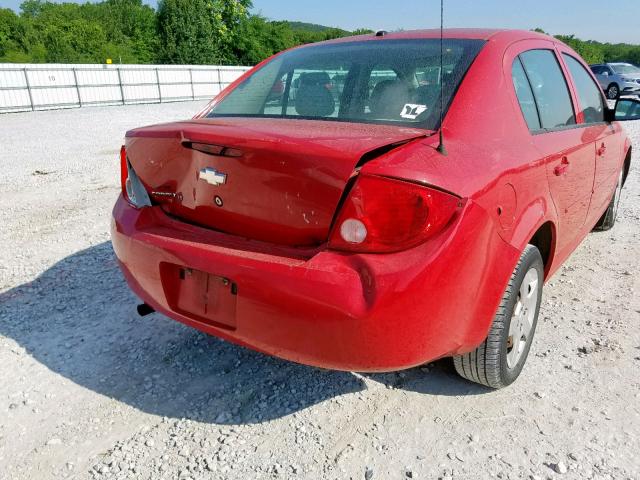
(78, 319)
(437, 378)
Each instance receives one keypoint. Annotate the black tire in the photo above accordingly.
(613, 91)
(608, 219)
(488, 364)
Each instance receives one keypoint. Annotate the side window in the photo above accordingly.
(525, 95)
(549, 88)
(627, 109)
(588, 92)
(597, 70)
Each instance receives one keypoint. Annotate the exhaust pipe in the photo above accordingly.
(144, 310)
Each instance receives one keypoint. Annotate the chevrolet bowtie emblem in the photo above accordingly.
(213, 177)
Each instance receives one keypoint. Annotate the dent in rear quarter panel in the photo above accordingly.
(485, 269)
(447, 294)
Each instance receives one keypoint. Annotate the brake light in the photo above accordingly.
(124, 172)
(132, 189)
(383, 215)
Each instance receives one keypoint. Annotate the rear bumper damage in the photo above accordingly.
(328, 309)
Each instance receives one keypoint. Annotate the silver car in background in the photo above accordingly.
(617, 79)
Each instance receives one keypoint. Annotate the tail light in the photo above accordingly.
(124, 171)
(382, 215)
(132, 189)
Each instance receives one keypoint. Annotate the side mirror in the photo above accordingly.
(605, 73)
(626, 109)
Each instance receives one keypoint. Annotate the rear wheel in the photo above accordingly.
(608, 220)
(613, 92)
(499, 360)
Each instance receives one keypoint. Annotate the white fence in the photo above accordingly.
(26, 87)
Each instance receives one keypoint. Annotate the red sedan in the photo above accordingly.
(413, 214)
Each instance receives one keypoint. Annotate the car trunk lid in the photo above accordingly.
(277, 181)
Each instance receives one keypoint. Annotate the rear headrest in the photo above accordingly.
(314, 100)
(315, 78)
(389, 98)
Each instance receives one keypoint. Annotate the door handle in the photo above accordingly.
(602, 150)
(562, 168)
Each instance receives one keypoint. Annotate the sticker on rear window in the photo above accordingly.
(412, 111)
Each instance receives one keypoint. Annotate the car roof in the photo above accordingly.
(449, 33)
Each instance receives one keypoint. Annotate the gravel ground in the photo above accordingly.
(89, 390)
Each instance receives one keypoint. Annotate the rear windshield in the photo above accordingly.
(388, 82)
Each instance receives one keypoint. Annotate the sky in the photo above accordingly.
(587, 19)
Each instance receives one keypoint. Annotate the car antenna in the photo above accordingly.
(441, 148)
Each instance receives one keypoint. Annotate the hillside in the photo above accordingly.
(311, 27)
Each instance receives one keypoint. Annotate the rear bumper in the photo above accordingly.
(338, 311)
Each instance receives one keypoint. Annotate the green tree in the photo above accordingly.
(68, 32)
(130, 27)
(183, 31)
(257, 39)
(74, 41)
(32, 8)
(199, 31)
(19, 42)
(362, 31)
(591, 52)
(8, 26)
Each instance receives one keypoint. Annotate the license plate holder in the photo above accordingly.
(203, 296)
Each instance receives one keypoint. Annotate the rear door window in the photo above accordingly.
(591, 101)
(525, 96)
(549, 88)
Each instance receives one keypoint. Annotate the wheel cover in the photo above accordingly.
(613, 92)
(524, 312)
